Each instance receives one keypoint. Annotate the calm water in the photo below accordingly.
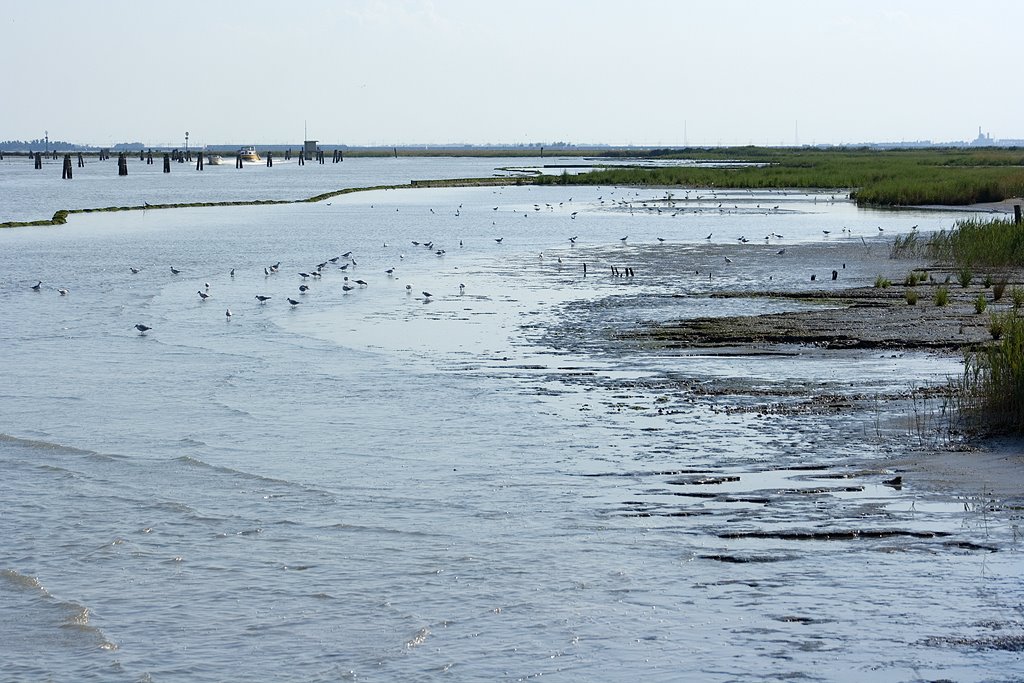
(483, 484)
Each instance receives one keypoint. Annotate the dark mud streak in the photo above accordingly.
(833, 535)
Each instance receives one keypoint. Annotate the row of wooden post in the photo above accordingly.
(180, 157)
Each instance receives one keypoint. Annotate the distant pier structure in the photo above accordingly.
(310, 149)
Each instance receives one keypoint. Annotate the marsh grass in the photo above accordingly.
(973, 243)
(998, 287)
(964, 277)
(882, 283)
(991, 391)
(942, 296)
(1017, 295)
(874, 177)
(911, 296)
(980, 304)
(915, 277)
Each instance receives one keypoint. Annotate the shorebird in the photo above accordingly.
(709, 235)
(360, 282)
(262, 299)
(347, 288)
(661, 239)
(37, 285)
(203, 295)
(390, 271)
(334, 260)
(62, 291)
(232, 273)
(498, 239)
(303, 288)
(174, 271)
(304, 275)
(623, 239)
(227, 313)
(462, 288)
(266, 271)
(780, 252)
(426, 295)
(143, 329)
(135, 271)
(728, 260)
(293, 302)
(408, 289)
(207, 284)
(344, 267)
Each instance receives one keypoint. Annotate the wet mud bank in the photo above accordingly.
(842, 379)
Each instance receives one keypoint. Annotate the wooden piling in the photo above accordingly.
(1016, 214)
(149, 158)
(39, 160)
(238, 161)
(167, 163)
(81, 160)
(302, 159)
(199, 161)
(122, 164)
(142, 155)
(66, 172)
(270, 159)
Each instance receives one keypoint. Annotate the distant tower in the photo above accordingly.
(47, 133)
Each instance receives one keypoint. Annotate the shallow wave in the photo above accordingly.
(69, 614)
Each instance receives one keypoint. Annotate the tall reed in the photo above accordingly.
(991, 392)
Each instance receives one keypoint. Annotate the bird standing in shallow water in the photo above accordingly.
(227, 313)
(37, 285)
(262, 299)
(174, 271)
(203, 295)
(143, 329)
(293, 302)
(62, 291)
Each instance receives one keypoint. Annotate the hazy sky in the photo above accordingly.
(643, 72)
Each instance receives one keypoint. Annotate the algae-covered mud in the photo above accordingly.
(482, 461)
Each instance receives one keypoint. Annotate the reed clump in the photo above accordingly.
(973, 243)
(991, 391)
(942, 296)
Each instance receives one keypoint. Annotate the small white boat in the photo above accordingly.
(248, 154)
(214, 159)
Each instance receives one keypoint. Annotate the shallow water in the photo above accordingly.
(378, 485)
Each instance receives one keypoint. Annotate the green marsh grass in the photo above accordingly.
(992, 387)
(872, 177)
(1017, 295)
(980, 304)
(942, 296)
(964, 277)
(911, 296)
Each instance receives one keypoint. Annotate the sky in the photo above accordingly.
(405, 72)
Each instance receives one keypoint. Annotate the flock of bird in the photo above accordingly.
(348, 263)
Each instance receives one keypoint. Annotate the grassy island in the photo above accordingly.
(899, 177)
